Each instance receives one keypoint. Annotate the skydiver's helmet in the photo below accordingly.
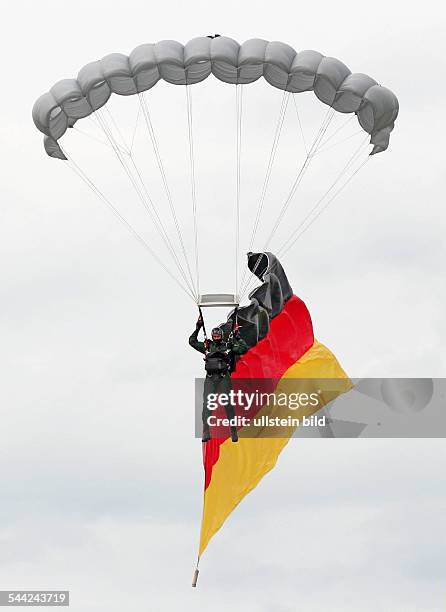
(217, 334)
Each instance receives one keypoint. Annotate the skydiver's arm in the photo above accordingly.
(195, 343)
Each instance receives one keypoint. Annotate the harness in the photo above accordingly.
(217, 362)
(220, 361)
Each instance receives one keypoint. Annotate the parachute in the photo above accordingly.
(78, 114)
(72, 105)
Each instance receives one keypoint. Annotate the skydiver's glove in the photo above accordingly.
(236, 331)
(199, 323)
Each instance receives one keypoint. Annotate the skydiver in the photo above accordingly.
(219, 361)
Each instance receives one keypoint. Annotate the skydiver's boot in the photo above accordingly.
(234, 434)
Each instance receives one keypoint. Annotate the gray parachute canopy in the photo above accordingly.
(333, 83)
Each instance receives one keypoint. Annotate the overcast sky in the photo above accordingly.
(100, 475)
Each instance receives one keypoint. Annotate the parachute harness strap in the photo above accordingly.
(124, 154)
(252, 279)
(239, 114)
(135, 129)
(202, 320)
(314, 149)
(304, 142)
(320, 133)
(140, 188)
(91, 137)
(317, 209)
(142, 192)
(193, 183)
(234, 321)
(297, 234)
(317, 139)
(151, 132)
(83, 176)
(272, 156)
(339, 129)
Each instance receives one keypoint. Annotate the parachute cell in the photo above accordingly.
(280, 65)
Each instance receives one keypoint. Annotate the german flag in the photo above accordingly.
(279, 331)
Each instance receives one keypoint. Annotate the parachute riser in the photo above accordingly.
(202, 320)
(234, 322)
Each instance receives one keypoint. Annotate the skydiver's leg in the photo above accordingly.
(225, 386)
(209, 387)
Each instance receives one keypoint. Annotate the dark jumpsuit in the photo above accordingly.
(219, 382)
